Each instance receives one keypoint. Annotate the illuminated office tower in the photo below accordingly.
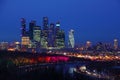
(115, 44)
(59, 36)
(60, 39)
(51, 36)
(44, 43)
(57, 26)
(36, 34)
(45, 23)
(45, 32)
(71, 42)
(57, 31)
(17, 46)
(88, 44)
(23, 27)
(45, 27)
(24, 35)
(62, 35)
(32, 24)
(25, 42)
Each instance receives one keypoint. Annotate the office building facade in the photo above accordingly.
(71, 42)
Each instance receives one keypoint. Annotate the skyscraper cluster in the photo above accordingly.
(45, 36)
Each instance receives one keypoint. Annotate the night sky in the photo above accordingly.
(94, 20)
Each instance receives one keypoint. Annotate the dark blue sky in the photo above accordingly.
(94, 20)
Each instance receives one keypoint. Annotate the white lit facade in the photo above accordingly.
(115, 44)
(71, 39)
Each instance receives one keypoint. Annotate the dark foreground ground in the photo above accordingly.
(9, 71)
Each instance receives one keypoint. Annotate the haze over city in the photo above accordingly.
(94, 20)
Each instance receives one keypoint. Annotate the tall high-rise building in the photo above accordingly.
(45, 23)
(115, 44)
(23, 27)
(51, 36)
(24, 35)
(44, 42)
(45, 32)
(25, 42)
(57, 26)
(17, 46)
(32, 24)
(59, 36)
(36, 34)
(71, 42)
(88, 44)
(57, 31)
(60, 39)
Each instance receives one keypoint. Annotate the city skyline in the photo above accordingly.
(50, 35)
(94, 20)
(59, 39)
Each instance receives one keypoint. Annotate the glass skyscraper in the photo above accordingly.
(36, 34)
(32, 24)
(59, 36)
(45, 32)
(51, 36)
(23, 27)
(71, 43)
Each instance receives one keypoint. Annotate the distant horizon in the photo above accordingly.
(81, 42)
